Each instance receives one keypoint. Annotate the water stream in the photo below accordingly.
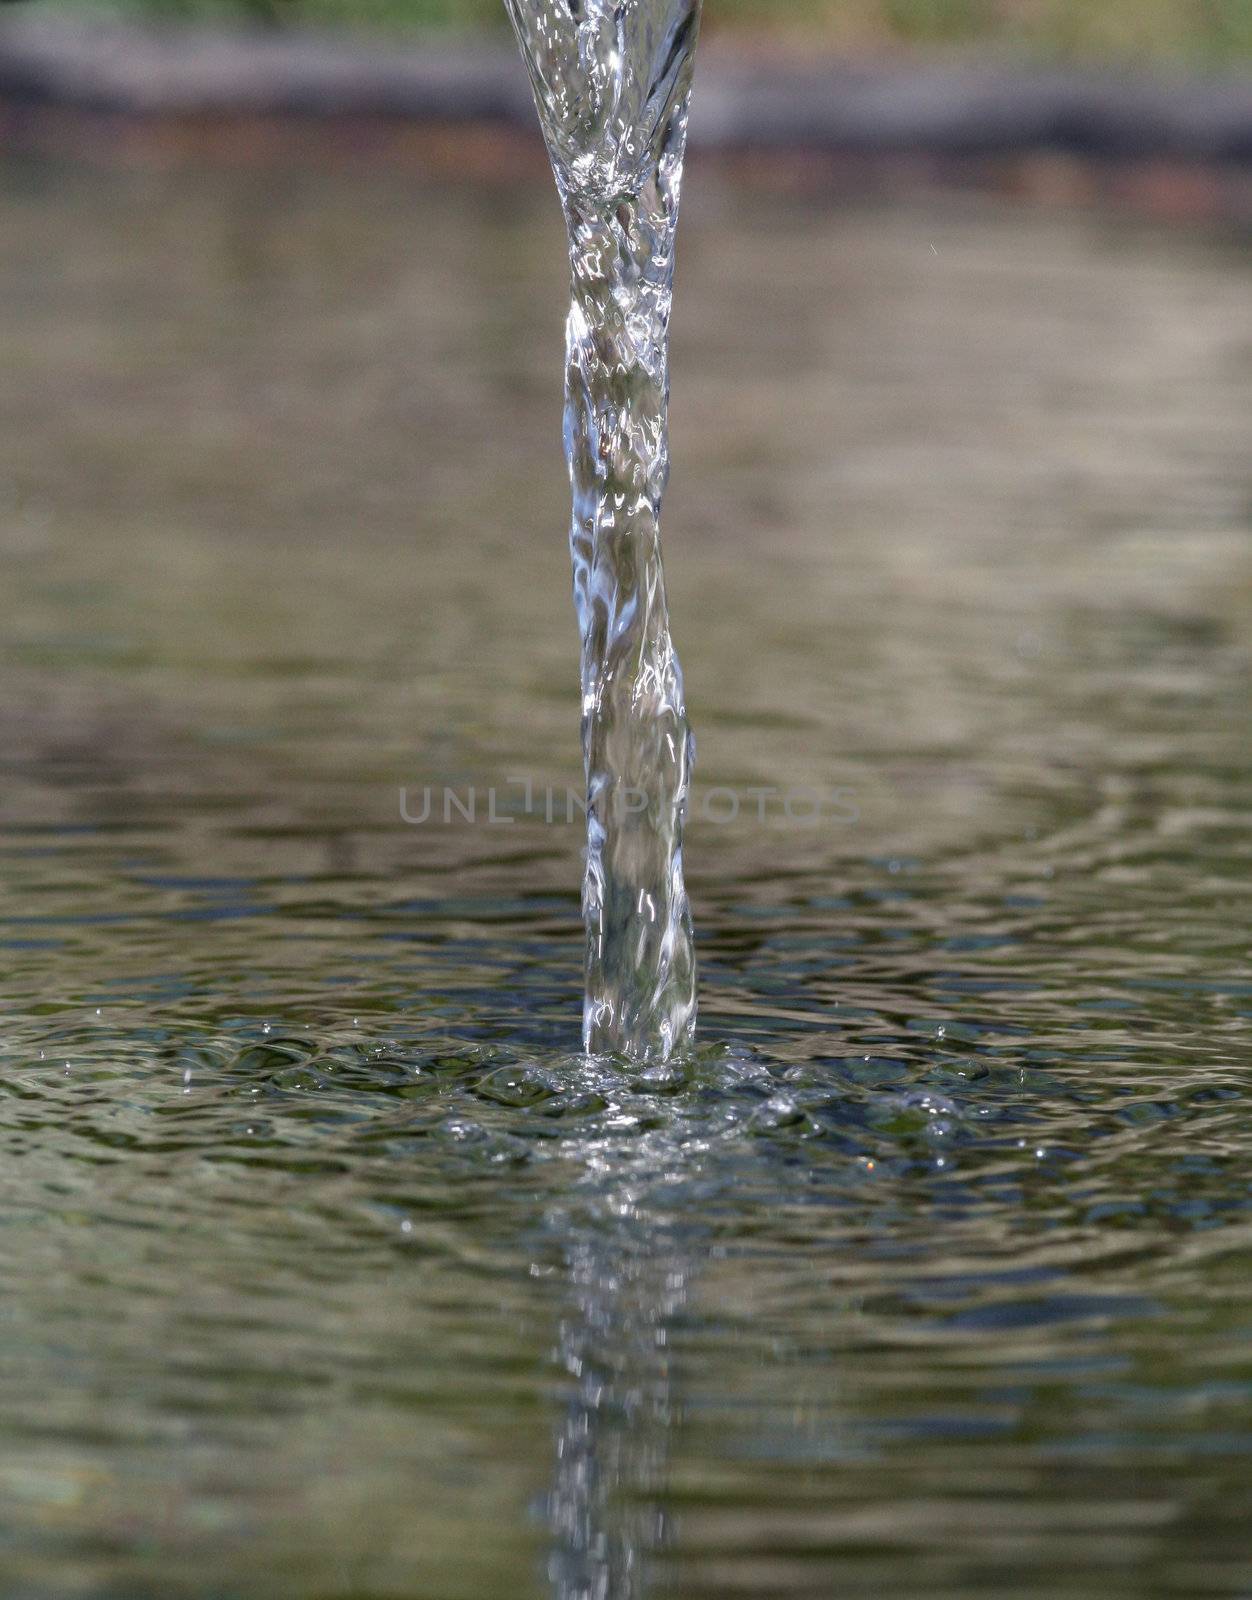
(612, 83)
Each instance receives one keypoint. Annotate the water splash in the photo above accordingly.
(612, 83)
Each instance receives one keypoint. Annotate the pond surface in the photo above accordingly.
(329, 1269)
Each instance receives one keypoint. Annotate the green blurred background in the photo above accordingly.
(1158, 31)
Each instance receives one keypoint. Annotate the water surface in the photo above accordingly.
(330, 1271)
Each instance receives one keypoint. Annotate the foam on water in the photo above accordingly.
(612, 84)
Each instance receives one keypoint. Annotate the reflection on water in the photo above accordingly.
(628, 1270)
(329, 1271)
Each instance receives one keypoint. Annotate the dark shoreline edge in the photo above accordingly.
(741, 104)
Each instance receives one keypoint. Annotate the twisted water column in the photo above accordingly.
(612, 81)
(637, 747)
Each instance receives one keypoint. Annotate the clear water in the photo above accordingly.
(329, 1270)
(612, 83)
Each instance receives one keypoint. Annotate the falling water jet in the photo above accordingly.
(612, 80)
